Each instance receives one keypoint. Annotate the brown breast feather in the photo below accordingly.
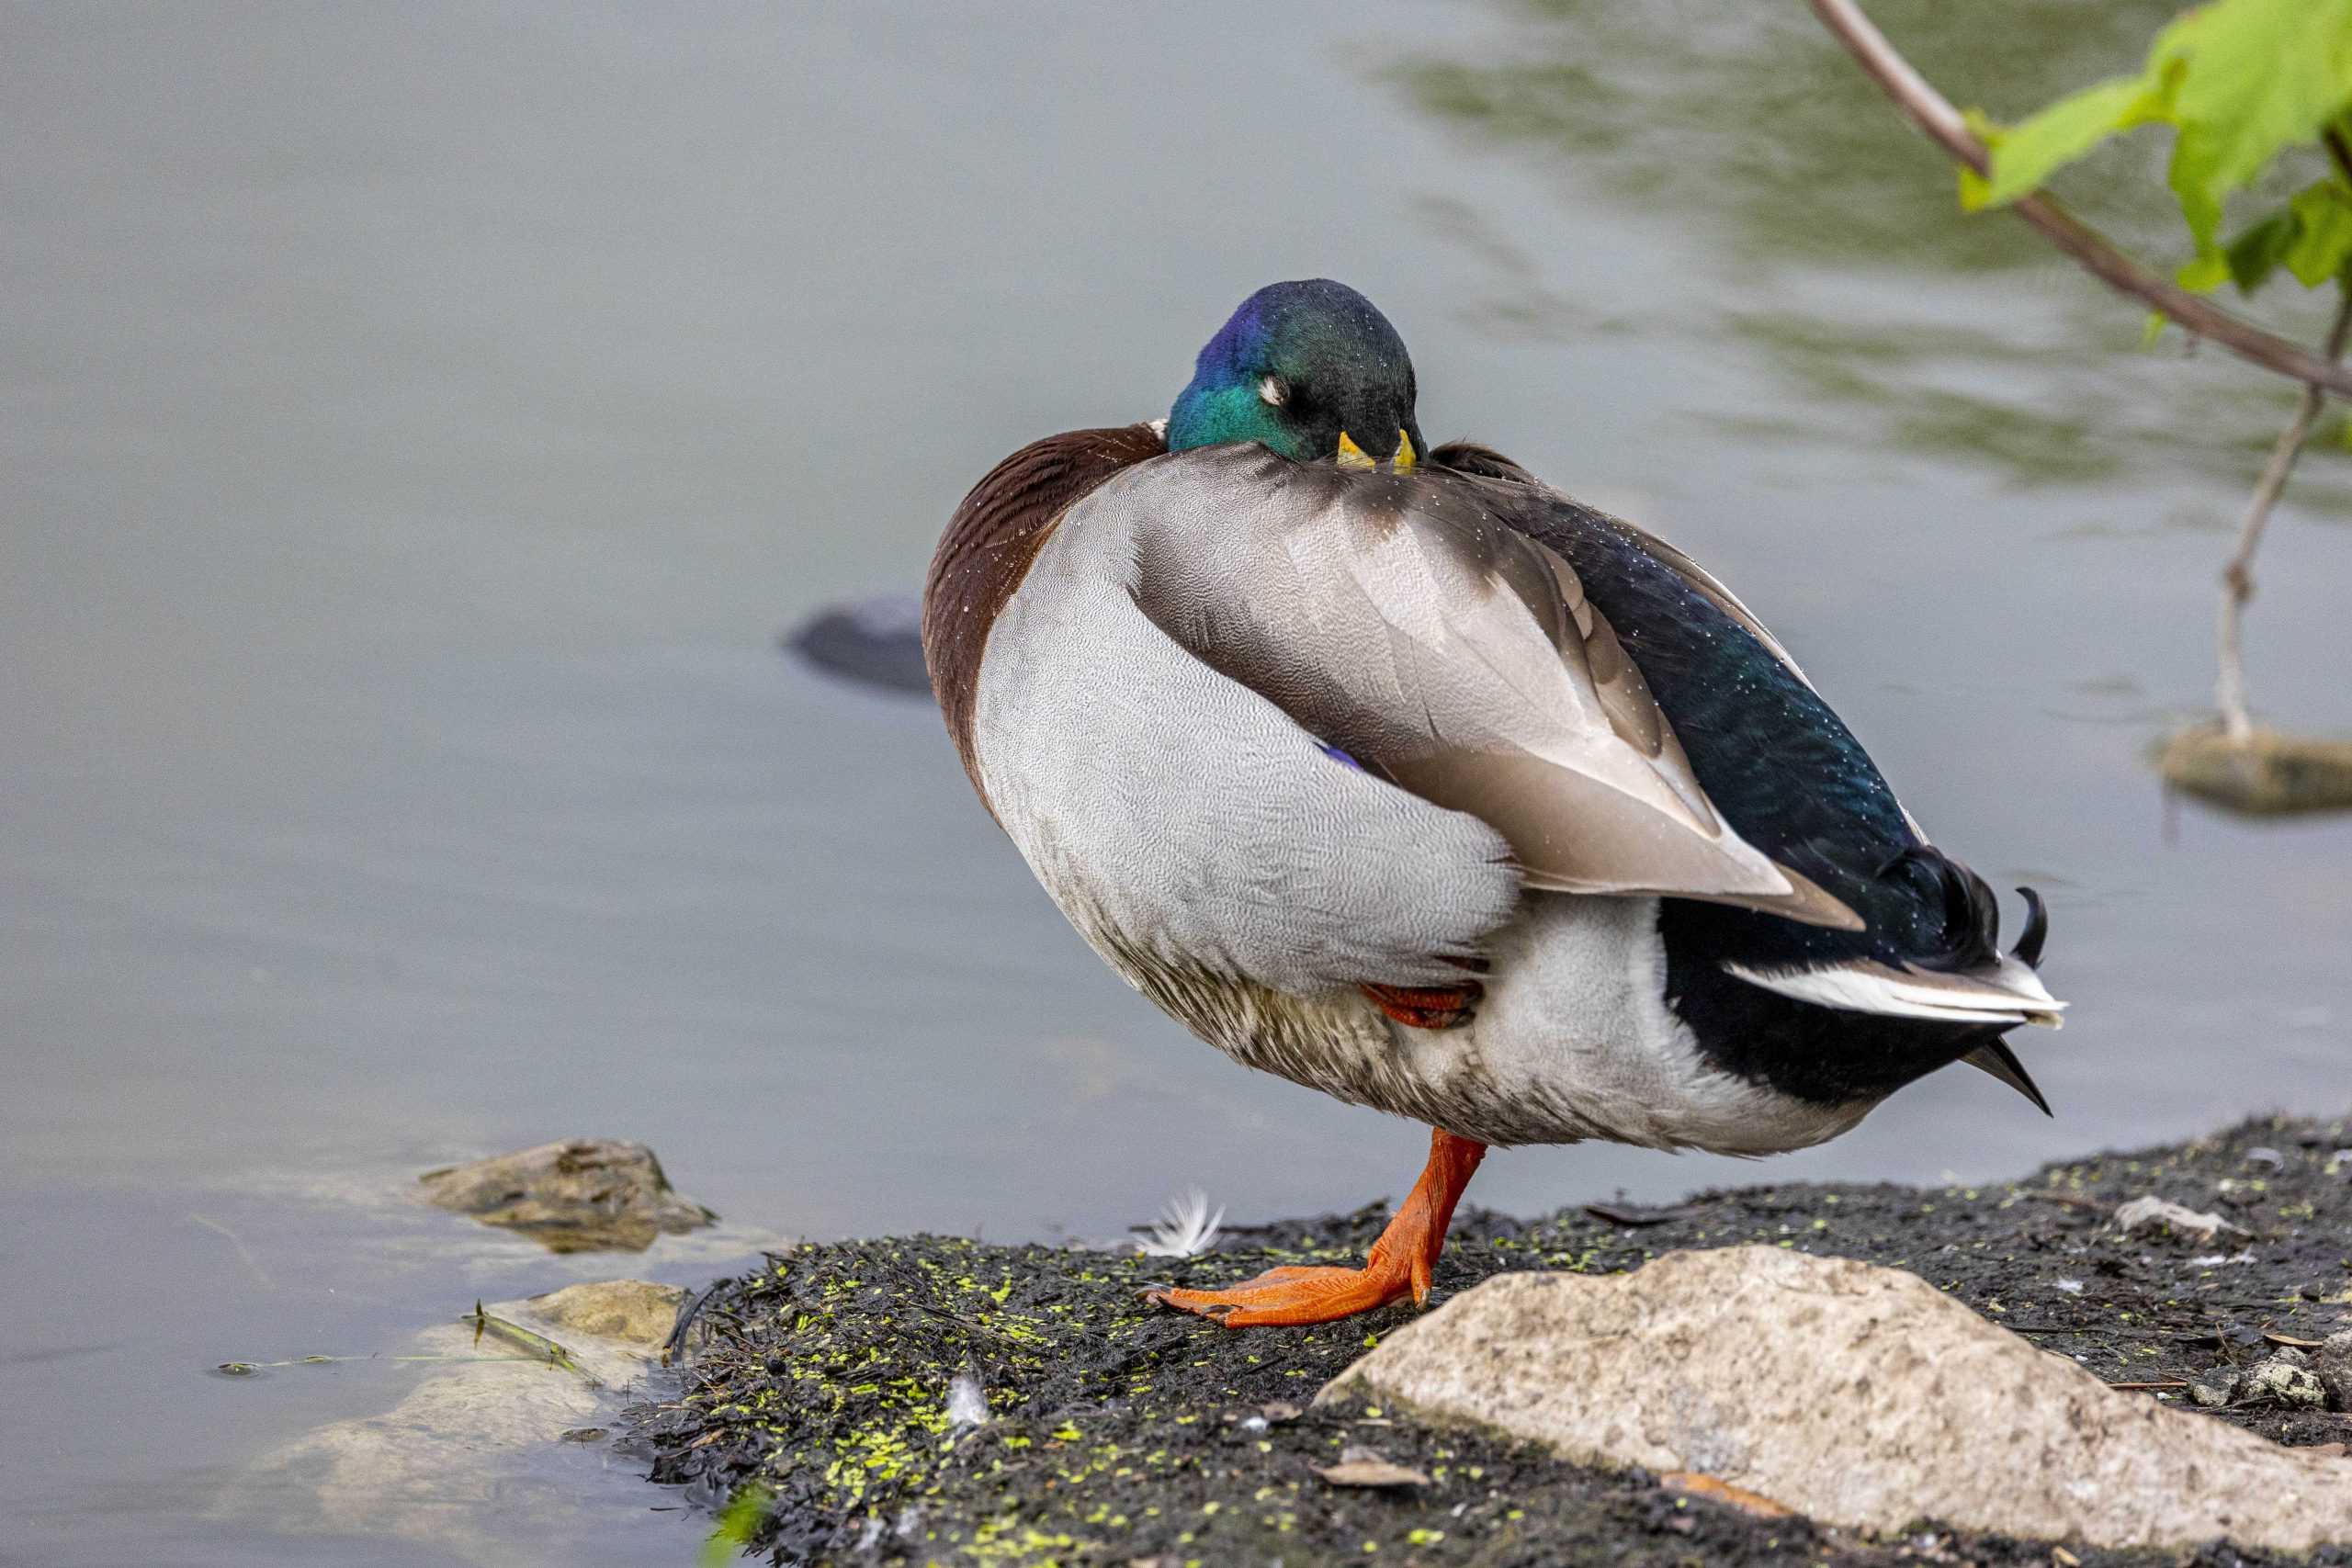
(988, 548)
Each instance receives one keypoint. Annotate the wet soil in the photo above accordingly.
(816, 1394)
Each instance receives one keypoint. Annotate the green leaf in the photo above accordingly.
(2247, 78)
(1974, 194)
(2239, 81)
(2024, 156)
(2200, 273)
(2322, 244)
(2256, 254)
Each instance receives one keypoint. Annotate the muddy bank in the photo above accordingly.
(1114, 1432)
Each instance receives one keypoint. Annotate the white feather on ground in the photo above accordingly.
(967, 1404)
(1185, 1228)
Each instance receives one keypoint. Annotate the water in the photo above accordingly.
(419, 423)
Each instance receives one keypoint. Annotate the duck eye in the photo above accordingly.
(1275, 391)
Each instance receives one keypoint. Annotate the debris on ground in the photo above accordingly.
(1185, 1228)
(1360, 1466)
(576, 1195)
(1116, 1432)
(2155, 1210)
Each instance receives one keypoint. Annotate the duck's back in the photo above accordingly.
(1792, 779)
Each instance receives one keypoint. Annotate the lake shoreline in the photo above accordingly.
(1116, 1432)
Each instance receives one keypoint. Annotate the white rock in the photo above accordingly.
(1860, 1395)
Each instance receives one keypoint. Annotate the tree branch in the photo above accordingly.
(1933, 113)
(2237, 577)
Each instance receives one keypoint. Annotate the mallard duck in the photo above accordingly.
(1403, 775)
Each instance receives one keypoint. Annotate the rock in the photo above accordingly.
(2282, 1381)
(2268, 774)
(627, 1312)
(877, 643)
(2214, 1393)
(579, 1195)
(2331, 1364)
(1882, 1399)
(448, 1468)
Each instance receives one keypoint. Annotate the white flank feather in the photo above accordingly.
(1185, 1229)
(2008, 993)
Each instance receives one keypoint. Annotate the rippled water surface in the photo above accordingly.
(421, 421)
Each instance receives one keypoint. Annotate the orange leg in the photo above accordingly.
(1399, 1265)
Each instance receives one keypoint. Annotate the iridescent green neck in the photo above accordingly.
(1211, 415)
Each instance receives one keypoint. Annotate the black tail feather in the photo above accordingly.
(1996, 1058)
(2037, 928)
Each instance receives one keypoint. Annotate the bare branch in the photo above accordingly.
(2237, 577)
(1933, 113)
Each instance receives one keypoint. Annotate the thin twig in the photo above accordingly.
(2237, 577)
(2067, 1199)
(1934, 114)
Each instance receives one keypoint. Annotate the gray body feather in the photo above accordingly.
(1139, 733)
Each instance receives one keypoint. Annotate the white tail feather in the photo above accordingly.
(2008, 992)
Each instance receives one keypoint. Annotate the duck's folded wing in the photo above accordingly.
(1394, 617)
(1189, 828)
(1485, 462)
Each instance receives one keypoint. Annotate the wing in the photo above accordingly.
(1471, 458)
(1929, 951)
(1396, 617)
(1187, 825)
(1485, 462)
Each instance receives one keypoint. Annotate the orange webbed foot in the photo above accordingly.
(1398, 1268)
(1295, 1295)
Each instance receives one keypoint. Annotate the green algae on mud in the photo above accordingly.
(1117, 1432)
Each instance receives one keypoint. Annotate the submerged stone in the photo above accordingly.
(448, 1468)
(627, 1312)
(576, 1195)
(2268, 774)
(878, 642)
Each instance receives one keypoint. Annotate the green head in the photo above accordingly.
(1313, 370)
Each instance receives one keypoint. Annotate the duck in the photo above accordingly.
(1397, 772)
